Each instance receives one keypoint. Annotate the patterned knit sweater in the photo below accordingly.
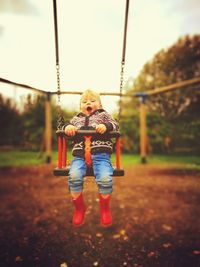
(99, 144)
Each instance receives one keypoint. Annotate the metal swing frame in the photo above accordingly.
(62, 169)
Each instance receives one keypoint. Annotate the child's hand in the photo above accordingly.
(70, 130)
(101, 128)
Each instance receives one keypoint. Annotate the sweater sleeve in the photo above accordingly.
(71, 122)
(110, 123)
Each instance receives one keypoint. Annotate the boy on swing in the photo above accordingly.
(92, 116)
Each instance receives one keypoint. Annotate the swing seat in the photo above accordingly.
(89, 172)
(63, 170)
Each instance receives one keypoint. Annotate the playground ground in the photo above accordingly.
(155, 211)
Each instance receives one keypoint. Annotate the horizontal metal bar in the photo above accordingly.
(101, 93)
(112, 134)
(155, 91)
(23, 85)
(173, 86)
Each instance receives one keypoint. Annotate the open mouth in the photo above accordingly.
(89, 109)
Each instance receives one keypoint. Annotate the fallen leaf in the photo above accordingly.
(99, 235)
(167, 245)
(116, 236)
(196, 252)
(122, 232)
(166, 227)
(151, 254)
(125, 237)
(18, 259)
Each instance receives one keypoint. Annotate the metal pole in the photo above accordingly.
(48, 128)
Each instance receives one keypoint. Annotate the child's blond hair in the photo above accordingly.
(89, 94)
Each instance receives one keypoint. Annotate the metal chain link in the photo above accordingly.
(60, 121)
(121, 88)
(122, 77)
(58, 83)
(123, 60)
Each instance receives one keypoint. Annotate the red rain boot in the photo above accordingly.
(78, 216)
(105, 212)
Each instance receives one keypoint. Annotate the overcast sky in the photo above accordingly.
(90, 41)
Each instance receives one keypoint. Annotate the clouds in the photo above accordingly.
(17, 7)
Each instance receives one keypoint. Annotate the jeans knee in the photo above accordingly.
(75, 178)
(105, 184)
(74, 175)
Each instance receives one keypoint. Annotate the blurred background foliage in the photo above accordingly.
(173, 118)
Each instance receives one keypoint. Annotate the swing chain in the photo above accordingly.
(121, 88)
(122, 76)
(58, 83)
(123, 59)
(60, 120)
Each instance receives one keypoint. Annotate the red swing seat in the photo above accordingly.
(62, 168)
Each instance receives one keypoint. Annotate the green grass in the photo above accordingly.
(27, 158)
(19, 158)
(24, 158)
(184, 161)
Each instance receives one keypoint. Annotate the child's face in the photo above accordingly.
(89, 104)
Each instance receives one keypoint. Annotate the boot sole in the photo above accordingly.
(106, 225)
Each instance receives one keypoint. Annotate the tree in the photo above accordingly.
(10, 123)
(169, 113)
(34, 121)
(179, 62)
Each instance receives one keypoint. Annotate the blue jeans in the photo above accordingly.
(103, 171)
